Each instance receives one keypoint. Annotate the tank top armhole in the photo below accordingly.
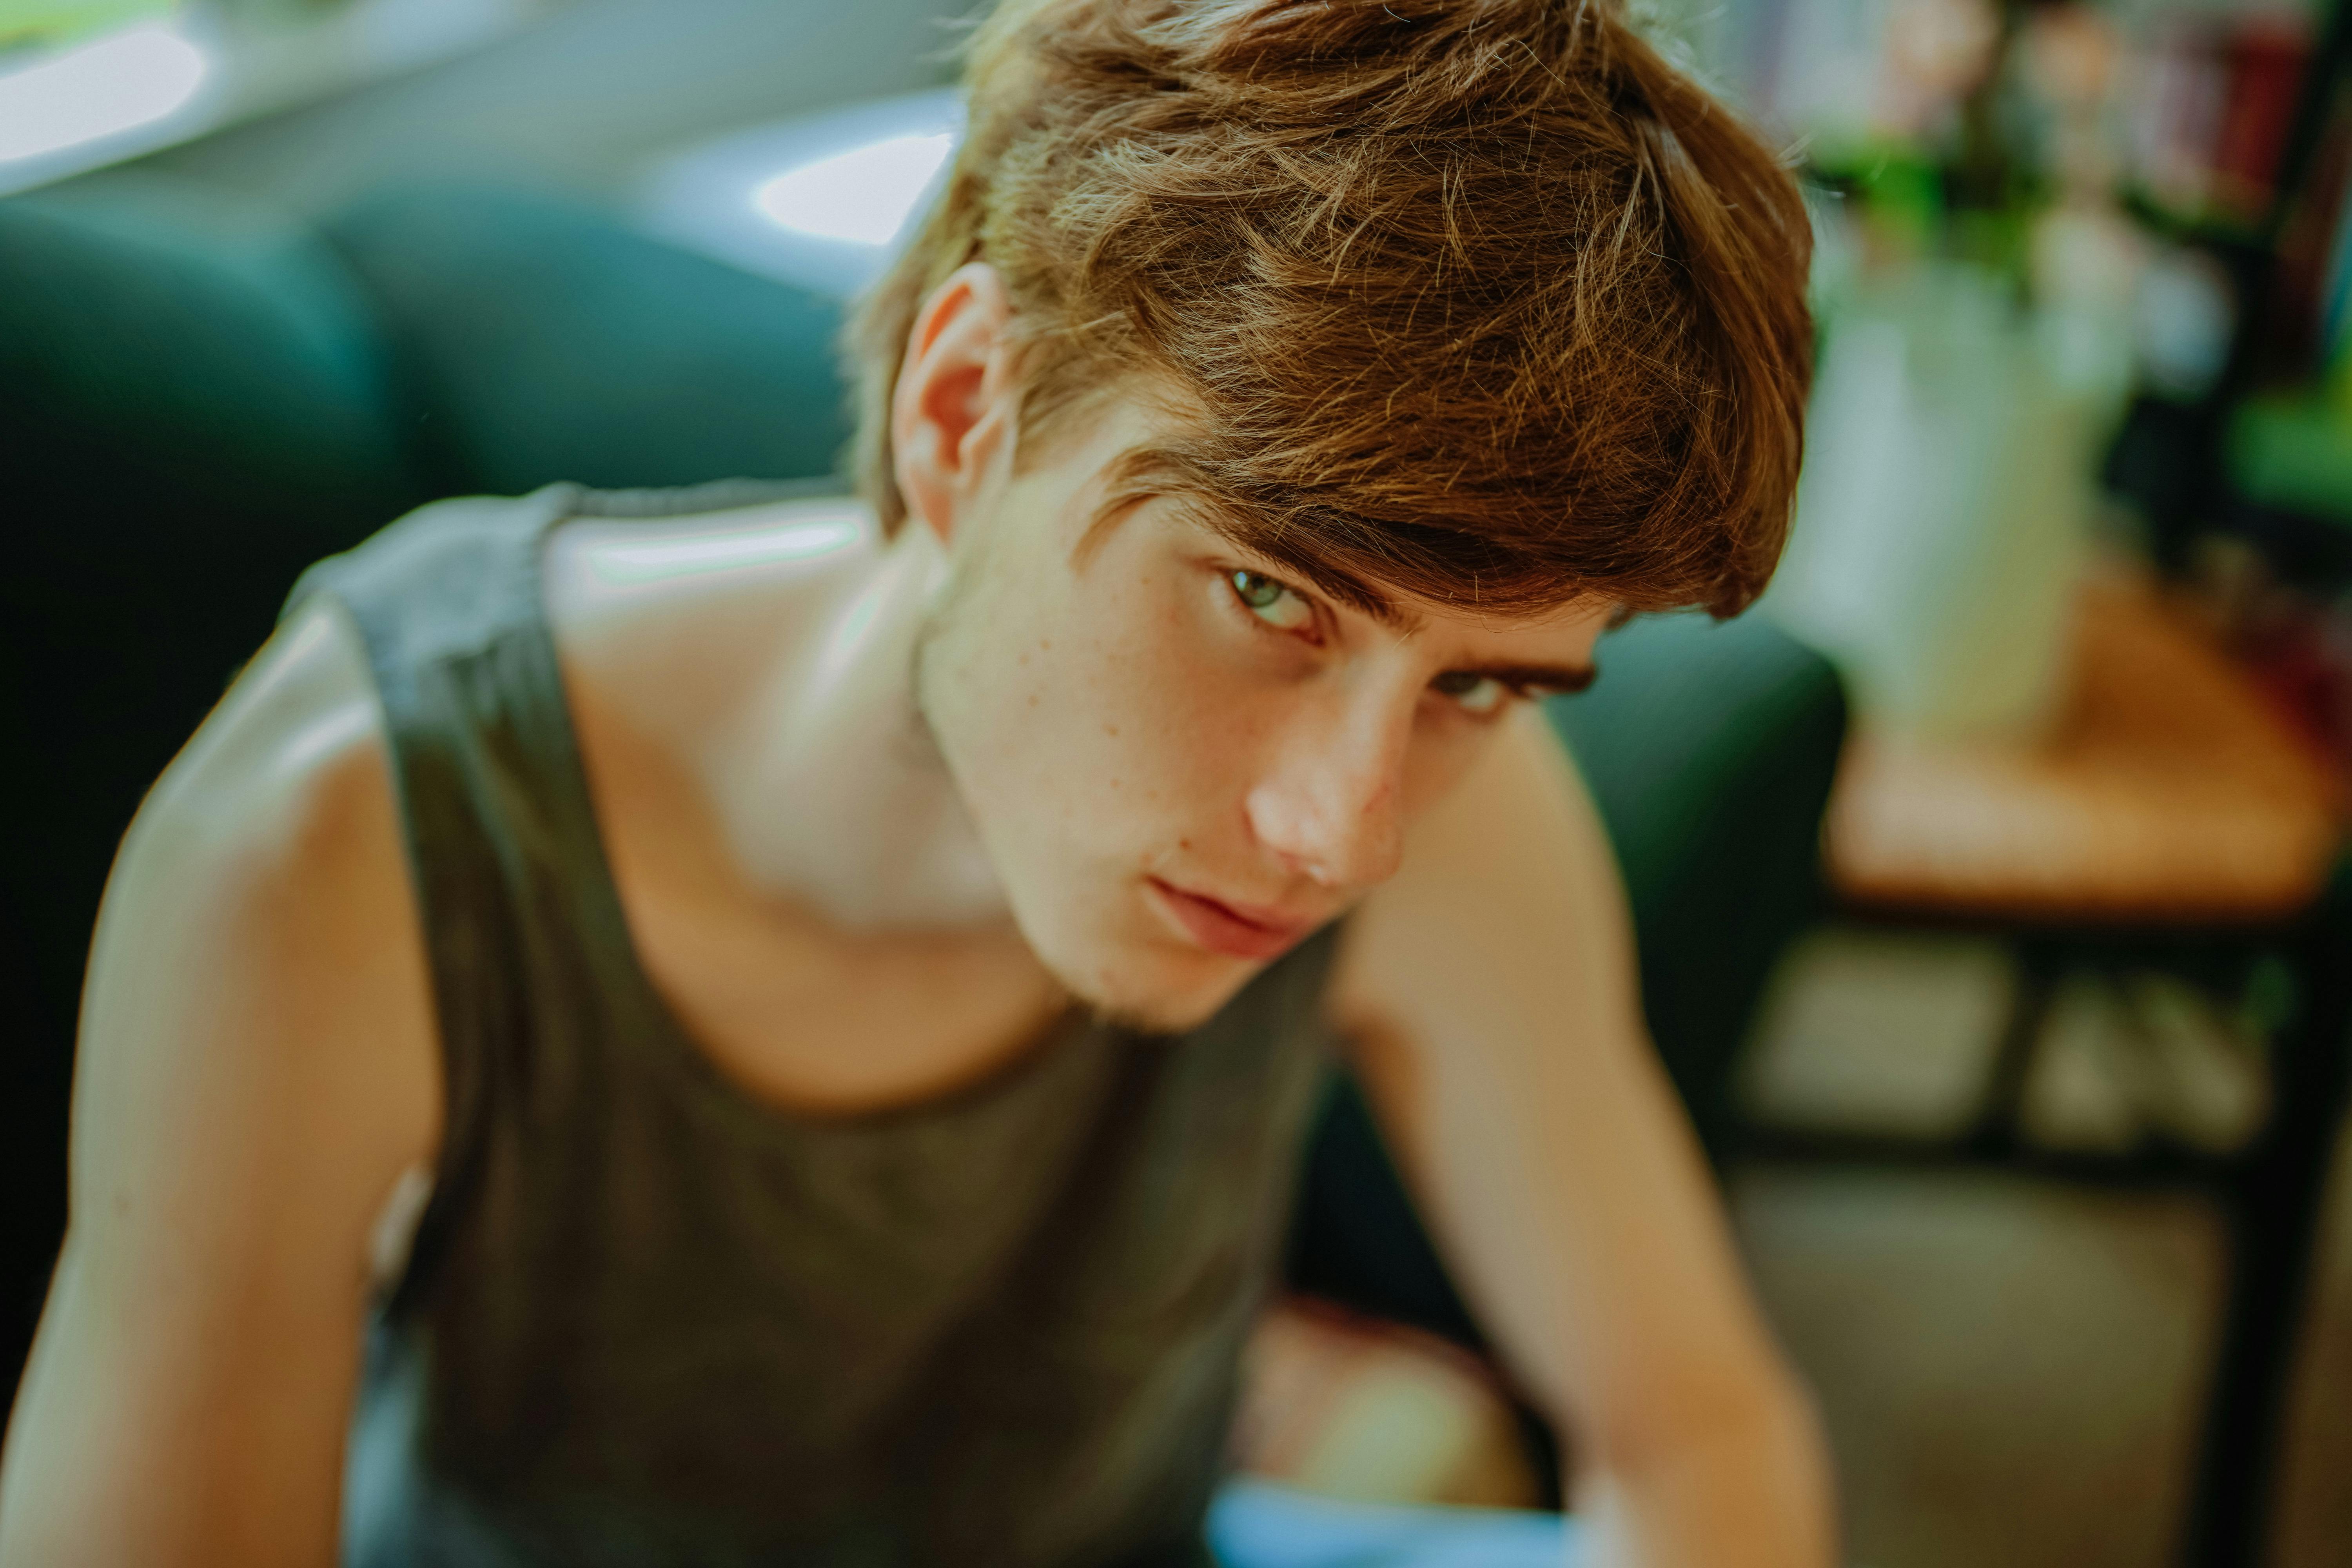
(459, 903)
(455, 1160)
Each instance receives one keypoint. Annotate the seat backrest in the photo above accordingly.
(542, 339)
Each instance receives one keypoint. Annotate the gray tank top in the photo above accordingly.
(647, 1318)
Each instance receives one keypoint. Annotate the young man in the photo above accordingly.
(779, 1033)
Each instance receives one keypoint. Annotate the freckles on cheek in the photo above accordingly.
(1185, 712)
(1041, 699)
(1051, 725)
(1113, 700)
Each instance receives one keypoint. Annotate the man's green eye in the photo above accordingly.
(1472, 692)
(1270, 601)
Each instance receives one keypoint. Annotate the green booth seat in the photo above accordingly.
(539, 340)
(194, 399)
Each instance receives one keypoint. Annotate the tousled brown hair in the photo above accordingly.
(1476, 301)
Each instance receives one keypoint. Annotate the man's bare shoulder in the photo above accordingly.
(261, 906)
(299, 731)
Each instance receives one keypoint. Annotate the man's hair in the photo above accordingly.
(1480, 301)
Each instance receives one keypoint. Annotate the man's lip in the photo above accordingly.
(1243, 930)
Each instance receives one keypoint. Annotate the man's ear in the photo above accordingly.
(953, 411)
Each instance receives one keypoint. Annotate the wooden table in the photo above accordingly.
(2166, 793)
(2166, 806)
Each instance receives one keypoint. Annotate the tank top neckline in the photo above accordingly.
(1060, 1037)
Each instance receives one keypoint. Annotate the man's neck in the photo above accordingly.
(768, 656)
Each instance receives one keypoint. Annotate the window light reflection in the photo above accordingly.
(112, 84)
(863, 195)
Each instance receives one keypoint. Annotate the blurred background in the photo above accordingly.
(1988, 876)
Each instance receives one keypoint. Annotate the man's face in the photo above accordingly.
(1179, 758)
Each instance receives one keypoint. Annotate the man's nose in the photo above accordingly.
(1331, 804)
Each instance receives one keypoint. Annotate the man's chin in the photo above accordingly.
(1146, 997)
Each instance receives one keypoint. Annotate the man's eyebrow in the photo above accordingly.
(1145, 476)
(1565, 677)
(1348, 590)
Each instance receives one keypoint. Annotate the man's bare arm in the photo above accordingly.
(1491, 988)
(256, 1069)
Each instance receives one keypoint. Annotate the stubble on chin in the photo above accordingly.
(1160, 1016)
(1153, 1023)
